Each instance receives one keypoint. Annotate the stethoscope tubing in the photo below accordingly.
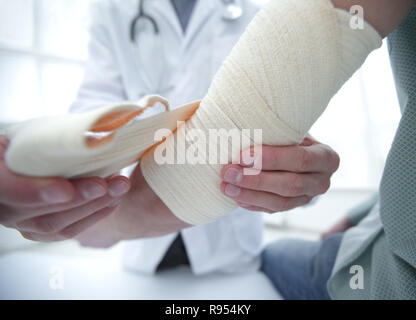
(142, 15)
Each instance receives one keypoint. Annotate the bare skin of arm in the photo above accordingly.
(383, 15)
(141, 214)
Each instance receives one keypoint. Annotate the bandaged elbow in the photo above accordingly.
(279, 78)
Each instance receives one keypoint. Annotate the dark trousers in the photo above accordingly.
(300, 269)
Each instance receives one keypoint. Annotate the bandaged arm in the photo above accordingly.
(281, 75)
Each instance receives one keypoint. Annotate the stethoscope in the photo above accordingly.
(233, 11)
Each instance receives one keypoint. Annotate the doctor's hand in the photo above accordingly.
(291, 177)
(48, 210)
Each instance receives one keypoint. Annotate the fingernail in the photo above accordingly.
(118, 188)
(249, 161)
(232, 190)
(233, 175)
(93, 191)
(55, 195)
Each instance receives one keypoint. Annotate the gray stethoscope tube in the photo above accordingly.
(233, 11)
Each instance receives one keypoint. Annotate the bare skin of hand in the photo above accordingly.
(291, 176)
(54, 209)
(341, 226)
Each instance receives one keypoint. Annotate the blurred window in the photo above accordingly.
(43, 46)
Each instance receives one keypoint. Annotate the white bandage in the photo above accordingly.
(292, 59)
(97, 143)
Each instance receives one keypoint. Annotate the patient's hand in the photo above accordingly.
(55, 209)
(141, 214)
(291, 177)
(341, 226)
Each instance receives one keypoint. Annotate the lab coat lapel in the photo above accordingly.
(202, 12)
(166, 9)
(150, 68)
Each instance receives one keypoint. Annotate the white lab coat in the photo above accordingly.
(179, 67)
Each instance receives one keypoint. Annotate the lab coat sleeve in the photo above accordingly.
(102, 83)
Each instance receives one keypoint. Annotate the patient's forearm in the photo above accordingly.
(129, 224)
(141, 214)
(383, 15)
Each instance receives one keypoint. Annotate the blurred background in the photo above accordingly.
(43, 48)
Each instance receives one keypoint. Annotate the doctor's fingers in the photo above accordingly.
(117, 187)
(71, 231)
(53, 193)
(261, 199)
(286, 184)
(86, 190)
(56, 222)
(24, 191)
(317, 157)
